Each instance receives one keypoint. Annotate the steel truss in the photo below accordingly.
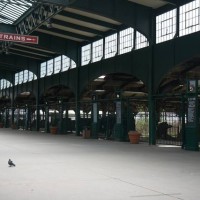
(37, 17)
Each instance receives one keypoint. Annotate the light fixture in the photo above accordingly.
(49, 24)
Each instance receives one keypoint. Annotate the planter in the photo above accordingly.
(134, 137)
(1, 125)
(13, 126)
(53, 130)
(86, 134)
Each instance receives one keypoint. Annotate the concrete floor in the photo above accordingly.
(66, 167)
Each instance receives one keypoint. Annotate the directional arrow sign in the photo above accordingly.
(19, 38)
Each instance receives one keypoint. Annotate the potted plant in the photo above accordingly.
(134, 137)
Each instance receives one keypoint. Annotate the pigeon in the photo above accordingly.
(10, 162)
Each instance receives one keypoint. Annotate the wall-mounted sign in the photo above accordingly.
(191, 118)
(19, 38)
(95, 112)
(192, 86)
(118, 112)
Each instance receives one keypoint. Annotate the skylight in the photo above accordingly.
(11, 10)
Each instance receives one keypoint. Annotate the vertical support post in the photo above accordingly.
(12, 103)
(60, 124)
(6, 117)
(18, 115)
(77, 112)
(120, 130)
(192, 126)
(27, 120)
(95, 120)
(151, 102)
(183, 122)
(37, 116)
(37, 102)
(151, 99)
(47, 130)
(77, 122)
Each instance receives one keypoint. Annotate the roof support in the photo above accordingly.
(126, 12)
(36, 18)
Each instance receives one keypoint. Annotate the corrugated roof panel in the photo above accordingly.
(11, 10)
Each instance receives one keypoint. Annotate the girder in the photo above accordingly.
(30, 3)
(36, 18)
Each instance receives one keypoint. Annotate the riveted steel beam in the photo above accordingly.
(36, 18)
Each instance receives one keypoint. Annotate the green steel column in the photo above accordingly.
(95, 116)
(37, 116)
(12, 105)
(152, 121)
(183, 121)
(192, 126)
(77, 112)
(77, 120)
(27, 120)
(120, 132)
(37, 101)
(151, 101)
(18, 115)
(60, 123)
(47, 130)
(6, 118)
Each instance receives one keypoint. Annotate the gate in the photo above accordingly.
(169, 121)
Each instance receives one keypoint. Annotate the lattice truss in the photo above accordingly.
(12, 10)
(37, 17)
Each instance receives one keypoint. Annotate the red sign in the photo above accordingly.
(19, 38)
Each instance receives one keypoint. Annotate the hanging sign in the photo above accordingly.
(19, 38)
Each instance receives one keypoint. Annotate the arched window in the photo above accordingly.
(5, 84)
(141, 41)
(24, 76)
(50, 67)
(43, 69)
(112, 45)
(58, 64)
(65, 63)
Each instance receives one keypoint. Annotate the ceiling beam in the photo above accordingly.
(27, 55)
(172, 2)
(37, 48)
(75, 26)
(65, 33)
(121, 11)
(34, 52)
(89, 20)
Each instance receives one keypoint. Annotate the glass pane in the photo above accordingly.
(126, 38)
(49, 67)
(85, 54)
(57, 64)
(111, 45)
(97, 50)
